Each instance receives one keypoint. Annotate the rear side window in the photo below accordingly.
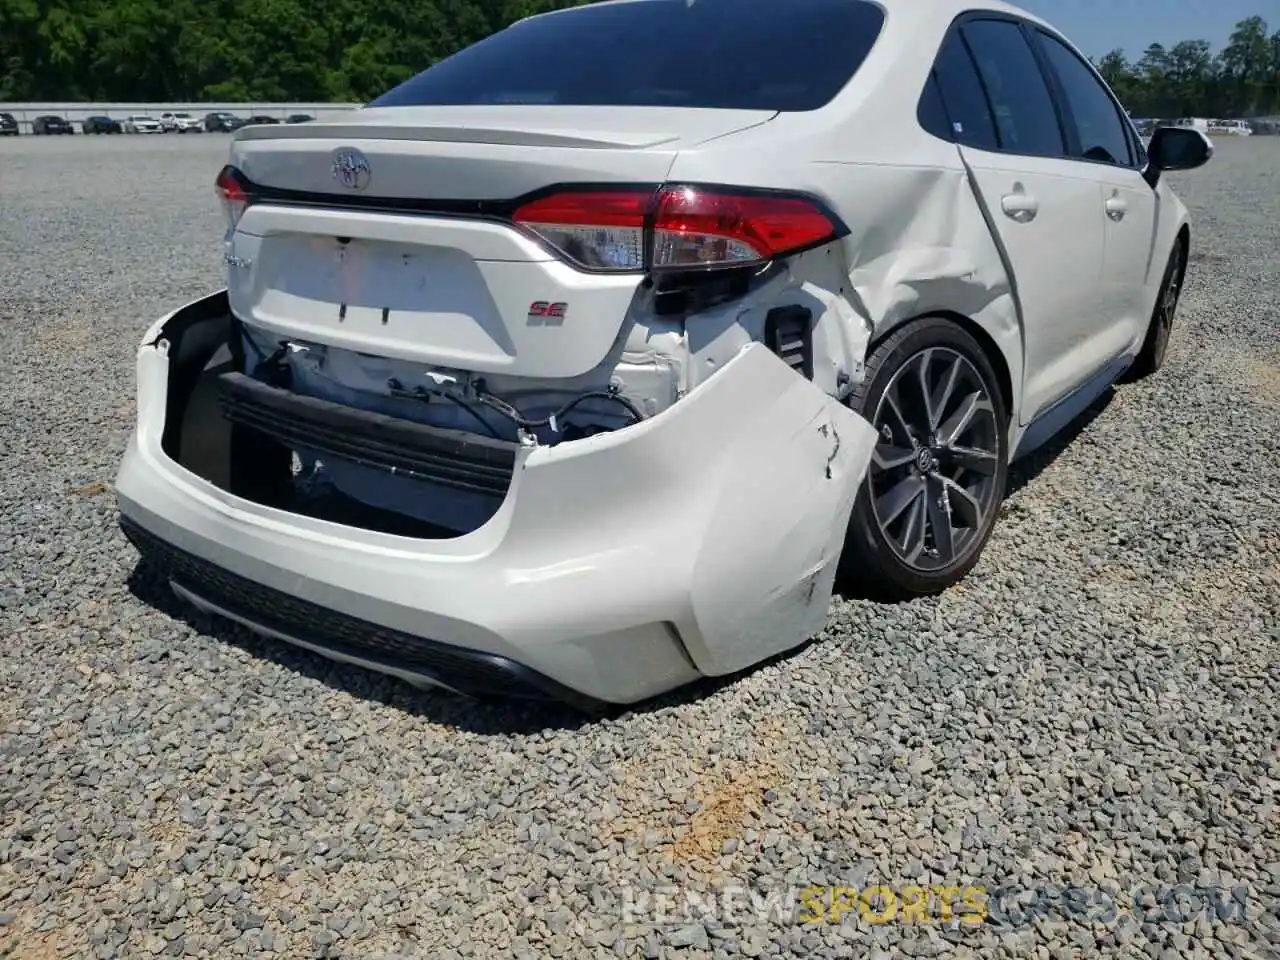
(1026, 121)
(733, 54)
(1097, 119)
(970, 117)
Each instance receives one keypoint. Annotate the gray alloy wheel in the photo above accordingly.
(1167, 307)
(933, 473)
(1156, 346)
(936, 480)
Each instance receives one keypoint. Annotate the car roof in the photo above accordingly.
(921, 8)
(923, 11)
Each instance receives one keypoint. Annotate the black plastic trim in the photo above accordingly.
(194, 334)
(473, 673)
(776, 322)
(454, 458)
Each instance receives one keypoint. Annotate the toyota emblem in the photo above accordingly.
(351, 169)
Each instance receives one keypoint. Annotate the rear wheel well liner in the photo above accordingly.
(1184, 238)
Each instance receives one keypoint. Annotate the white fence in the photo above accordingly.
(24, 113)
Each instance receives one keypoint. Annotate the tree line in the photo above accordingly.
(353, 50)
(1189, 80)
(234, 50)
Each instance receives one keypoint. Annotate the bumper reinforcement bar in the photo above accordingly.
(452, 457)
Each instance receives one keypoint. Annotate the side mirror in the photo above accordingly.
(1177, 148)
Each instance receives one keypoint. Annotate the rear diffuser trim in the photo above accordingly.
(472, 673)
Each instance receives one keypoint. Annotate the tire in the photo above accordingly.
(928, 503)
(1156, 345)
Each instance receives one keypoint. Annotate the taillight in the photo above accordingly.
(235, 196)
(601, 230)
(701, 228)
(676, 227)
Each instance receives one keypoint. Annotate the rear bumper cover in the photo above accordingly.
(278, 614)
(619, 566)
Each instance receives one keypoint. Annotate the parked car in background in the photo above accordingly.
(702, 344)
(1230, 128)
(100, 125)
(219, 121)
(141, 123)
(8, 125)
(299, 118)
(180, 123)
(51, 125)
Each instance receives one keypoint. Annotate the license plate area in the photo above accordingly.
(381, 296)
(353, 275)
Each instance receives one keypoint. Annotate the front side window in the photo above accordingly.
(732, 54)
(1102, 134)
(1026, 119)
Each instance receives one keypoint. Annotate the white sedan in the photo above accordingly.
(140, 123)
(582, 377)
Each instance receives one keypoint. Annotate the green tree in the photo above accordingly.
(1189, 76)
(1115, 69)
(1245, 64)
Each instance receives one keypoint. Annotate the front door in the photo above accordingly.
(1104, 145)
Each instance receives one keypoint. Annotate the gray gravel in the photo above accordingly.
(1097, 704)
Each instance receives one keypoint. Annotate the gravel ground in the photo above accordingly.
(1095, 706)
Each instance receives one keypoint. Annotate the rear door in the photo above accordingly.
(1046, 212)
(1103, 143)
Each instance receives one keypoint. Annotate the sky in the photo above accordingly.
(1099, 26)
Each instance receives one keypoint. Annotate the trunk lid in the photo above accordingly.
(472, 153)
(407, 264)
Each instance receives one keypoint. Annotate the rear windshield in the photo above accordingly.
(734, 54)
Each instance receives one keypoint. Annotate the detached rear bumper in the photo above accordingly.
(695, 543)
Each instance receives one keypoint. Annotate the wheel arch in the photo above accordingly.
(1184, 238)
(999, 362)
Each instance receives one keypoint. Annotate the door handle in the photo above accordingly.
(1116, 208)
(1020, 206)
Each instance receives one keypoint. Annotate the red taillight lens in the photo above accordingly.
(679, 227)
(704, 228)
(231, 190)
(600, 229)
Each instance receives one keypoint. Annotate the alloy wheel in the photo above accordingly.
(933, 474)
(1168, 305)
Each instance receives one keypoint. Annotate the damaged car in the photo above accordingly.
(581, 378)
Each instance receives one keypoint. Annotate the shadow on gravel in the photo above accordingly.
(503, 717)
(1025, 470)
(1021, 473)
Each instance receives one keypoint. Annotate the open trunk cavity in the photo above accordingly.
(261, 441)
